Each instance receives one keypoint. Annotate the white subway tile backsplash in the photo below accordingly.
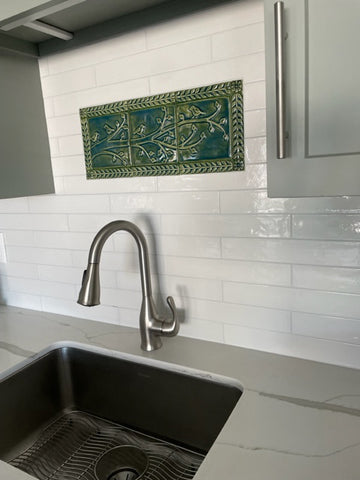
(327, 278)
(228, 225)
(330, 328)
(41, 288)
(40, 256)
(280, 275)
(165, 59)
(242, 315)
(220, 269)
(310, 252)
(121, 46)
(64, 126)
(238, 41)
(72, 81)
(342, 227)
(202, 329)
(71, 103)
(14, 205)
(67, 166)
(73, 275)
(71, 145)
(249, 68)
(254, 98)
(294, 299)
(70, 203)
(80, 185)
(23, 221)
(207, 22)
(254, 123)
(200, 202)
(70, 307)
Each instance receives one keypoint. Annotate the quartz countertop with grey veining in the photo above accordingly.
(296, 418)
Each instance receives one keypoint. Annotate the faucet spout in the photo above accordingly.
(152, 327)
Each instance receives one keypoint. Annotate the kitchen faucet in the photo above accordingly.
(152, 327)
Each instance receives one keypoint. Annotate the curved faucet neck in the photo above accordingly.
(119, 225)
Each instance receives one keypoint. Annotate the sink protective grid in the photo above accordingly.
(70, 447)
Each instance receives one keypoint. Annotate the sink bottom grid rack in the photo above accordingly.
(72, 447)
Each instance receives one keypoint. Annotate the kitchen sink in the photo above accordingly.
(74, 411)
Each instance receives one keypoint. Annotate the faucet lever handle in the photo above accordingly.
(170, 329)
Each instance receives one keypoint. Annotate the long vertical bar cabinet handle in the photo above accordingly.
(280, 79)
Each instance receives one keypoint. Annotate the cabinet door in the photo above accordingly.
(322, 99)
(25, 164)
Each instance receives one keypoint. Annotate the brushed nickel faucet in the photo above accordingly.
(152, 327)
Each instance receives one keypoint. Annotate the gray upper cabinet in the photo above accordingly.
(24, 146)
(321, 101)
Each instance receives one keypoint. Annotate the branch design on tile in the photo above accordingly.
(191, 131)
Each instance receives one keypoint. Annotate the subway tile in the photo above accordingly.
(339, 227)
(20, 270)
(293, 299)
(255, 150)
(249, 68)
(165, 285)
(326, 327)
(22, 300)
(67, 166)
(308, 252)
(227, 225)
(174, 57)
(202, 329)
(64, 126)
(250, 201)
(206, 22)
(221, 269)
(66, 240)
(254, 96)
(258, 201)
(253, 177)
(33, 221)
(148, 224)
(41, 256)
(70, 203)
(241, 315)
(73, 275)
(292, 345)
(238, 41)
(14, 205)
(200, 202)
(327, 278)
(71, 145)
(80, 185)
(58, 84)
(254, 123)
(41, 288)
(71, 103)
(177, 245)
(102, 51)
(20, 238)
(121, 298)
(100, 313)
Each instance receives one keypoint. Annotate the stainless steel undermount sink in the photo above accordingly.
(74, 411)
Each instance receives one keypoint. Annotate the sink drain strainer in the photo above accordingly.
(121, 463)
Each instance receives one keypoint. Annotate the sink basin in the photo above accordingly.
(73, 399)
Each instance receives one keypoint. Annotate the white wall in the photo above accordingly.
(278, 275)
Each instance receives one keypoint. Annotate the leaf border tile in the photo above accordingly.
(233, 91)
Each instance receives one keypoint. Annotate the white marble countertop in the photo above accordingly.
(296, 419)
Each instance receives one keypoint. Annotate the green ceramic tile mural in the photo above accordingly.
(189, 131)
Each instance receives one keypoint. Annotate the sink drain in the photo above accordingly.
(121, 463)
